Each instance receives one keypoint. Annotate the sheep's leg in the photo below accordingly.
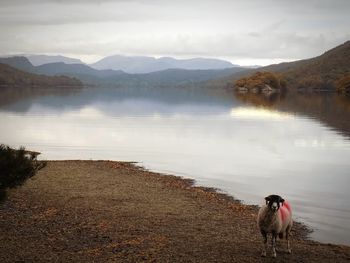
(274, 237)
(263, 253)
(288, 241)
(280, 235)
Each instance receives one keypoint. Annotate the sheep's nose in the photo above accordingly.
(274, 206)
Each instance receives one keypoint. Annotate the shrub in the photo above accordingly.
(16, 166)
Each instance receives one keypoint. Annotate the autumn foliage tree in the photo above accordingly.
(343, 84)
(261, 80)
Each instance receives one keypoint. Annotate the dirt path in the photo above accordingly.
(77, 211)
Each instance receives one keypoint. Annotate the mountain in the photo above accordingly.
(81, 71)
(319, 72)
(21, 63)
(322, 72)
(140, 64)
(10, 76)
(75, 70)
(38, 60)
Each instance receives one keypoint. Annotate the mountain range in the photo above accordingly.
(89, 75)
(142, 64)
(322, 72)
(38, 60)
(136, 64)
(57, 68)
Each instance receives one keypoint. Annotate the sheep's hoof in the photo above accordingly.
(289, 251)
(263, 254)
(274, 255)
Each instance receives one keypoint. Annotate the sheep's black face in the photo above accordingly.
(274, 201)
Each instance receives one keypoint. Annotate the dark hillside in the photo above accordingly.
(319, 72)
(322, 72)
(10, 76)
(21, 63)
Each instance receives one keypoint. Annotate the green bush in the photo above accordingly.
(16, 166)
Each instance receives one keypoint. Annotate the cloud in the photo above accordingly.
(62, 13)
(234, 29)
(250, 45)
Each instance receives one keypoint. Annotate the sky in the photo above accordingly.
(250, 32)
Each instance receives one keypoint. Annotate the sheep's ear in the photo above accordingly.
(267, 199)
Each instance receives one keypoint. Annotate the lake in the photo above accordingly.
(247, 145)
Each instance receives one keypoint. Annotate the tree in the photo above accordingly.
(261, 80)
(343, 84)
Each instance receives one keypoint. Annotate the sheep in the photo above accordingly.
(275, 219)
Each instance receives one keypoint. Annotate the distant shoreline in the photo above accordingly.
(41, 86)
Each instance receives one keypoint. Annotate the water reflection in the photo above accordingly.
(258, 113)
(248, 151)
(20, 99)
(330, 108)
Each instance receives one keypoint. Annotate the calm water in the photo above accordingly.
(298, 148)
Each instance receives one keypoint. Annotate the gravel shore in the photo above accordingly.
(104, 211)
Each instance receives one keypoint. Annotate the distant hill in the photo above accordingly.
(89, 75)
(10, 76)
(80, 71)
(38, 60)
(322, 72)
(21, 63)
(169, 77)
(142, 64)
(74, 70)
(184, 75)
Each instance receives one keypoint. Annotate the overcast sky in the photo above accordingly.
(244, 32)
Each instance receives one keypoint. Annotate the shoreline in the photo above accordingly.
(77, 210)
(303, 229)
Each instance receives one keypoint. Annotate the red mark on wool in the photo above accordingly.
(284, 211)
(287, 205)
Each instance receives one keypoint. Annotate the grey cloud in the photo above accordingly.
(5, 3)
(256, 29)
(283, 46)
(71, 12)
(66, 19)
